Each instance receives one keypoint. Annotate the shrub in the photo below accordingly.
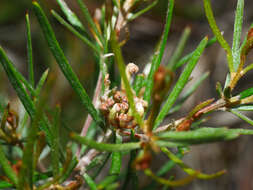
(123, 119)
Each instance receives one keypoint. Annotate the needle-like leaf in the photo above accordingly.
(157, 57)
(29, 51)
(4, 162)
(218, 34)
(181, 83)
(64, 64)
(237, 33)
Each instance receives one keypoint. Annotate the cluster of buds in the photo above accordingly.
(115, 105)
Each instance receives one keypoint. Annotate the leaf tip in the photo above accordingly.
(35, 3)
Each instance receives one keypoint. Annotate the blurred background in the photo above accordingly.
(234, 156)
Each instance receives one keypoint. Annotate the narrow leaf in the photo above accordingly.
(105, 146)
(75, 32)
(55, 160)
(218, 34)
(187, 57)
(4, 162)
(116, 158)
(27, 168)
(41, 83)
(241, 116)
(71, 16)
(138, 83)
(87, 16)
(180, 83)
(189, 170)
(246, 93)
(5, 185)
(188, 93)
(17, 85)
(14, 79)
(107, 181)
(173, 183)
(29, 51)
(131, 175)
(204, 135)
(180, 48)
(237, 33)
(247, 69)
(168, 165)
(157, 57)
(141, 12)
(89, 181)
(64, 64)
(244, 108)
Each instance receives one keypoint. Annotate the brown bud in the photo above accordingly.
(104, 108)
(250, 33)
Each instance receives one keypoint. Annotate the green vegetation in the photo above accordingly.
(125, 120)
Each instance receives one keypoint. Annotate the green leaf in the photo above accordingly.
(244, 108)
(116, 158)
(173, 183)
(248, 68)
(98, 161)
(5, 184)
(237, 33)
(16, 83)
(29, 51)
(168, 165)
(41, 82)
(55, 160)
(246, 93)
(107, 181)
(138, 83)
(75, 32)
(14, 78)
(180, 48)
(139, 13)
(68, 167)
(64, 64)
(181, 83)
(71, 16)
(187, 57)
(4, 162)
(188, 93)
(131, 175)
(27, 169)
(204, 135)
(105, 146)
(100, 165)
(189, 170)
(157, 57)
(243, 117)
(87, 16)
(89, 181)
(217, 33)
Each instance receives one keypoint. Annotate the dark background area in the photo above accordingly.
(235, 156)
